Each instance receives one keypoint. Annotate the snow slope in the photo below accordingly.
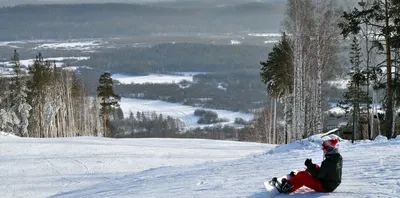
(99, 167)
(32, 167)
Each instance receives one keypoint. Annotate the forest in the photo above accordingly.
(47, 102)
(318, 34)
(231, 74)
(179, 57)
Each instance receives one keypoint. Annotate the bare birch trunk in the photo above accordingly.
(274, 137)
(394, 122)
(270, 140)
(312, 26)
(289, 117)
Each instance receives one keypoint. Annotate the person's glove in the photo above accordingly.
(308, 162)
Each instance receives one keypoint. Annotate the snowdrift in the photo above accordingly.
(5, 134)
(314, 142)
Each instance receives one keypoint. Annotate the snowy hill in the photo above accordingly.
(100, 167)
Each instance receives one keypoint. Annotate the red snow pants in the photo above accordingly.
(304, 178)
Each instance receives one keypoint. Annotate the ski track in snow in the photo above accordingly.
(99, 167)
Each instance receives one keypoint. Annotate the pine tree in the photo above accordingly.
(109, 100)
(383, 15)
(39, 86)
(277, 74)
(357, 94)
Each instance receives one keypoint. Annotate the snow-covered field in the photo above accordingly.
(71, 45)
(175, 110)
(152, 78)
(85, 45)
(58, 60)
(101, 167)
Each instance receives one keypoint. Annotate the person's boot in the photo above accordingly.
(285, 186)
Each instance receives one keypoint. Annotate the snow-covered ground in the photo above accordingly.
(59, 60)
(71, 45)
(266, 34)
(235, 42)
(178, 111)
(85, 45)
(152, 78)
(101, 167)
(62, 167)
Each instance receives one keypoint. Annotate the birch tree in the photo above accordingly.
(61, 105)
(297, 24)
(312, 27)
(325, 17)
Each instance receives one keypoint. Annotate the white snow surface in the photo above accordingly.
(151, 78)
(65, 167)
(235, 42)
(265, 34)
(101, 167)
(71, 45)
(59, 60)
(178, 111)
(271, 41)
(336, 111)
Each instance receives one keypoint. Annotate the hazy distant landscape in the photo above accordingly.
(222, 41)
(189, 18)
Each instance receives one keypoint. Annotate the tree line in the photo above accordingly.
(178, 57)
(48, 101)
(147, 124)
(153, 125)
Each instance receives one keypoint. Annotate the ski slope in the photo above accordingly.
(101, 167)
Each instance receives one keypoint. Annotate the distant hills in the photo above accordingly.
(67, 21)
(19, 2)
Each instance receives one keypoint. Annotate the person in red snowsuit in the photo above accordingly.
(321, 179)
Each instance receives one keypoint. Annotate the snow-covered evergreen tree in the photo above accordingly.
(18, 97)
(8, 120)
